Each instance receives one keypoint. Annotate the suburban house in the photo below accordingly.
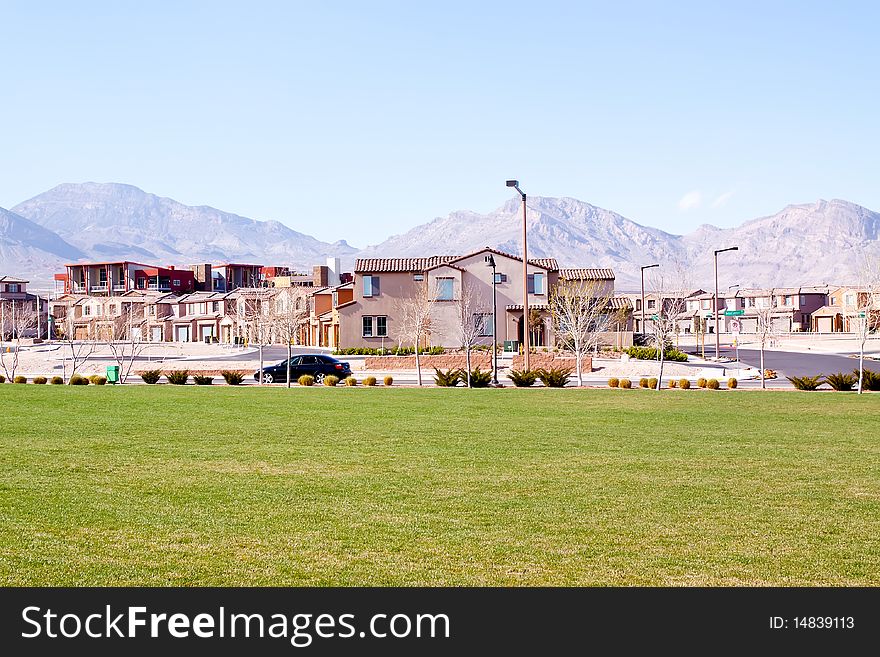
(844, 304)
(114, 278)
(324, 317)
(197, 317)
(793, 308)
(382, 288)
(31, 309)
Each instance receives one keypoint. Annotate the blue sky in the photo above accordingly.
(359, 120)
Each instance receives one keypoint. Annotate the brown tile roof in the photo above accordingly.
(545, 263)
(620, 303)
(370, 265)
(587, 274)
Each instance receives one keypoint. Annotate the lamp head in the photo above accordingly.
(490, 261)
(513, 183)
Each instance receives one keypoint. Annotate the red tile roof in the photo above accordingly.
(587, 274)
(370, 265)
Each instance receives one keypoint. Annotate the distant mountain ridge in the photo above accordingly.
(806, 244)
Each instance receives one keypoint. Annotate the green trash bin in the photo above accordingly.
(113, 374)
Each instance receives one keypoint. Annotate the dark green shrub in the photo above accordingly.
(806, 382)
(613, 382)
(626, 383)
(652, 383)
(555, 377)
(306, 380)
(643, 382)
(701, 382)
(841, 381)
(672, 383)
(2, 379)
(232, 378)
(78, 380)
(202, 380)
(40, 380)
(370, 381)
(651, 353)
(177, 377)
(523, 378)
(388, 380)
(331, 380)
(391, 351)
(870, 380)
(479, 379)
(20, 379)
(712, 384)
(151, 376)
(56, 381)
(448, 379)
(350, 381)
(732, 383)
(684, 384)
(94, 378)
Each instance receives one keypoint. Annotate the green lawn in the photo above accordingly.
(194, 486)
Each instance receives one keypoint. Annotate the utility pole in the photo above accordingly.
(525, 256)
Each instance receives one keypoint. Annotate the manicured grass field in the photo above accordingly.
(199, 486)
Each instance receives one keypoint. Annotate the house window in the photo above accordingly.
(483, 324)
(215, 306)
(500, 278)
(12, 287)
(151, 310)
(87, 310)
(704, 304)
(141, 283)
(112, 309)
(335, 299)
(651, 304)
(445, 289)
(368, 327)
(803, 300)
(371, 286)
(176, 282)
(536, 283)
(381, 326)
(418, 277)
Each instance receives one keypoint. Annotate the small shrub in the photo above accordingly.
(449, 378)
(770, 374)
(684, 384)
(306, 380)
(643, 382)
(712, 384)
(613, 382)
(652, 383)
(651, 353)
(40, 380)
(350, 381)
(57, 381)
(626, 383)
(524, 378)
(701, 382)
(177, 377)
(388, 380)
(556, 377)
(78, 380)
(20, 379)
(331, 380)
(93, 379)
(370, 381)
(732, 383)
(806, 382)
(2, 379)
(479, 379)
(870, 380)
(232, 378)
(672, 383)
(151, 376)
(202, 380)
(841, 381)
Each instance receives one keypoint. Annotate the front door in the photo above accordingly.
(183, 333)
(156, 334)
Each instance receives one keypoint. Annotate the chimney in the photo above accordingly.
(320, 276)
(204, 281)
(333, 266)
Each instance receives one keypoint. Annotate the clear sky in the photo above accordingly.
(358, 120)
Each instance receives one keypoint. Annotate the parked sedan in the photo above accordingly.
(317, 365)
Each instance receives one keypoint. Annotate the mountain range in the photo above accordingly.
(807, 244)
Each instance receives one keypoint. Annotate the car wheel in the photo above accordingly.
(267, 378)
(319, 377)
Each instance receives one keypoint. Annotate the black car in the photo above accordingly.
(318, 365)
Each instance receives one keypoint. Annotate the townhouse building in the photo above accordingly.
(21, 313)
(115, 278)
(792, 308)
(844, 307)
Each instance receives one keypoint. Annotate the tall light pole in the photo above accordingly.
(490, 261)
(642, 327)
(525, 256)
(715, 301)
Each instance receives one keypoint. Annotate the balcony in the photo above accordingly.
(156, 287)
(79, 289)
(98, 288)
(119, 288)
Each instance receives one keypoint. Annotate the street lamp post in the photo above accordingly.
(642, 327)
(715, 301)
(525, 256)
(490, 261)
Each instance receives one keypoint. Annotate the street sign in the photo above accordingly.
(734, 313)
(735, 326)
(654, 317)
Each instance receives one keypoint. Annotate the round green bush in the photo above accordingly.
(684, 384)
(2, 379)
(388, 380)
(643, 382)
(370, 381)
(306, 380)
(78, 380)
(731, 383)
(712, 384)
(672, 383)
(57, 381)
(701, 382)
(652, 383)
(626, 383)
(331, 380)
(20, 379)
(613, 382)
(98, 380)
(350, 381)
(40, 380)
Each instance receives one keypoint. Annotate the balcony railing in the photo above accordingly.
(119, 288)
(98, 288)
(79, 289)
(159, 288)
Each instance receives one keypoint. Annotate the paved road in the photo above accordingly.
(799, 364)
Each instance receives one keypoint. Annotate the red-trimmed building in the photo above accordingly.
(115, 278)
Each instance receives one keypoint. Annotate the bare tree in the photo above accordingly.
(766, 330)
(125, 337)
(289, 314)
(672, 292)
(581, 311)
(864, 313)
(17, 319)
(251, 313)
(469, 325)
(79, 349)
(416, 319)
